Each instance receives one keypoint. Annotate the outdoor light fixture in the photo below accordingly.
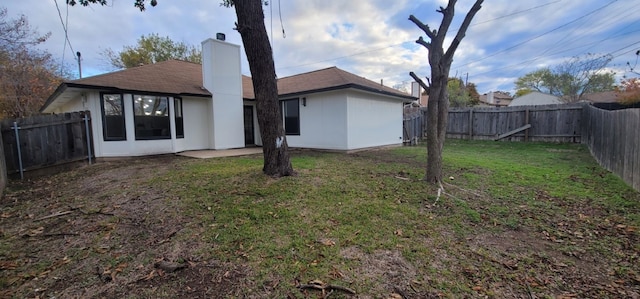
(304, 102)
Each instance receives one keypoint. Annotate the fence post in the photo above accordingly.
(526, 122)
(470, 123)
(86, 126)
(15, 130)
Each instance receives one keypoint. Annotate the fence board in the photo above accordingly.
(613, 139)
(45, 140)
(611, 136)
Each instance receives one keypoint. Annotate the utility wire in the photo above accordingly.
(66, 33)
(399, 44)
(537, 36)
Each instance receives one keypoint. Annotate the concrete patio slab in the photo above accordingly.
(206, 154)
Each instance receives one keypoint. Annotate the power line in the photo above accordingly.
(399, 44)
(536, 37)
(66, 33)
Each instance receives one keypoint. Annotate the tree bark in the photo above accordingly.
(440, 62)
(260, 56)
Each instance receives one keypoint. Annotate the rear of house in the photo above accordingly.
(175, 106)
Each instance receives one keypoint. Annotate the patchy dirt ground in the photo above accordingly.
(99, 232)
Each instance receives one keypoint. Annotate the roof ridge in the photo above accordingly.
(309, 72)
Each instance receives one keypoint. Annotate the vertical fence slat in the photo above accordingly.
(45, 140)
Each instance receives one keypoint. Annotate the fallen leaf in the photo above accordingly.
(327, 242)
(150, 275)
(8, 265)
(398, 232)
(35, 232)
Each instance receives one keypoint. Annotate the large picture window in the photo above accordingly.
(151, 117)
(177, 106)
(113, 127)
(291, 115)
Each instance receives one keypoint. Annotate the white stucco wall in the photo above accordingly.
(222, 77)
(322, 122)
(373, 120)
(196, 118)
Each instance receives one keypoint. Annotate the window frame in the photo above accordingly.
(283, 111)
(105, 132)
(135, 115)
(178, 102)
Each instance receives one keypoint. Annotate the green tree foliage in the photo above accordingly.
(570, 79)
(27, 76)
(151, 49)
(628, 91)
(462, 95)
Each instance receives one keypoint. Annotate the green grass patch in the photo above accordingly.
(279, 226)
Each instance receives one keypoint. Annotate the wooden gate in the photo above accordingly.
(46, 140)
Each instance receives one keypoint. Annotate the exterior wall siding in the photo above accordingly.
(323, 122)
(373, 120)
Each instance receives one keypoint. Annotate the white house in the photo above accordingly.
(175, 106)
(535, 98)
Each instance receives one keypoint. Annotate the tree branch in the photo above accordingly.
(424, 27)
(463, 29)
(422, 42)
(425, 86)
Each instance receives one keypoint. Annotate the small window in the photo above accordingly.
(291, 115)
(113, 127)
(151, 117)
(177, 106)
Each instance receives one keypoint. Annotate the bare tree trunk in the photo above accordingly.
(259, 54)
(440, 62)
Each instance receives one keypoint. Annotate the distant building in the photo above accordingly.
(536, 98)
(601, 97)
(495, 99)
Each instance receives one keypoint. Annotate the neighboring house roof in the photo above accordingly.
(535, 98)
(602, 97)
(181, 78)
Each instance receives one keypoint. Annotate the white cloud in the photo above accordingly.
(372, 39)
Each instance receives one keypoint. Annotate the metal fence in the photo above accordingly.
(47, 140)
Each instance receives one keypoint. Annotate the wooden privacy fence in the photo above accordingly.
(46, 140)
(551, 123)
(412, 127)
(613, 137)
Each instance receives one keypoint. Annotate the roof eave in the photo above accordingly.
(61, 88)
(404, 98)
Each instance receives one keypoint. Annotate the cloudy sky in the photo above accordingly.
(373, 39)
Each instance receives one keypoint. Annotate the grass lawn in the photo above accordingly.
(515, 220)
